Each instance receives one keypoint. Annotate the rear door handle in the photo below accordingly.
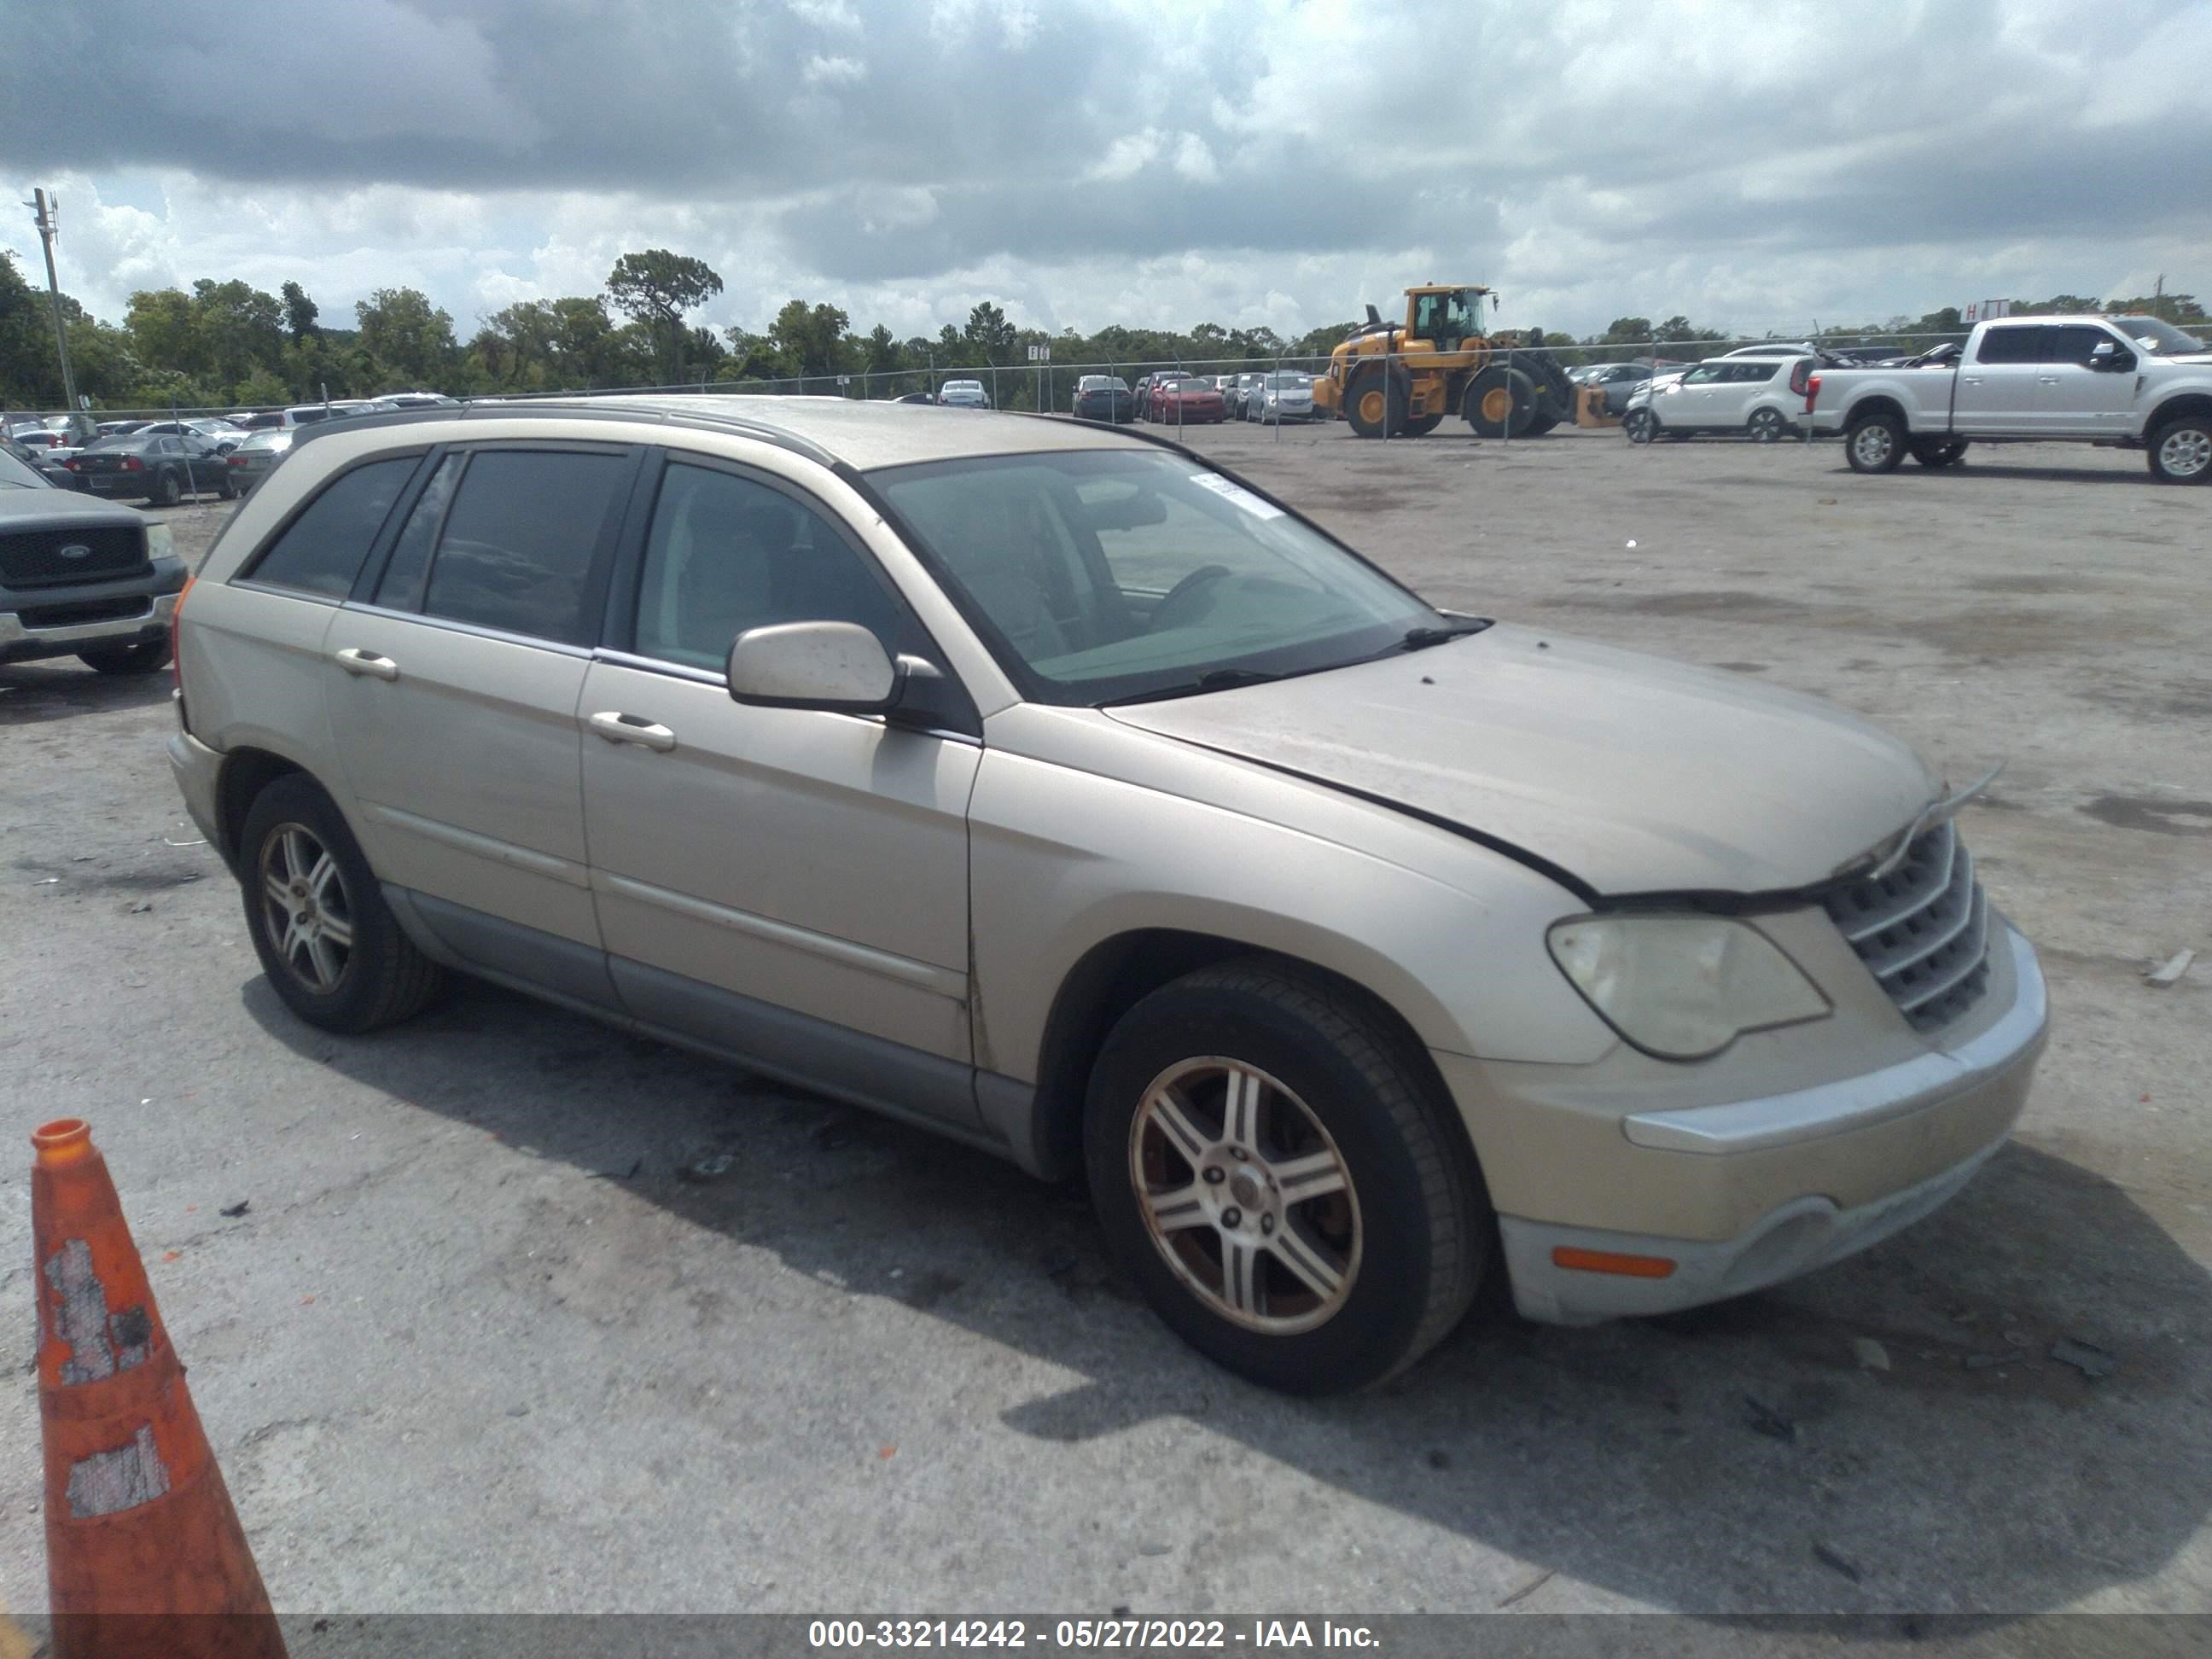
(355, 660)
(633, 728)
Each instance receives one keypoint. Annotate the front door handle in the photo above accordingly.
(355, 660)
(633, 728)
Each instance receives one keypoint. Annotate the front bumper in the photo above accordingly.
(1762, 1190)
(148, 618)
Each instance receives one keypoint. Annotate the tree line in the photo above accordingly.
(227, 343)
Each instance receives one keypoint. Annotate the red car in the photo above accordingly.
(1188, 402)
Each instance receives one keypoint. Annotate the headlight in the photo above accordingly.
(1682, 986)
(160, 542)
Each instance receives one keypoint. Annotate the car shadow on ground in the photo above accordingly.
(1890, 1434)
(1978, 465)
(61, 688)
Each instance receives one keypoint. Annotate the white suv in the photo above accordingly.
(1760, 396)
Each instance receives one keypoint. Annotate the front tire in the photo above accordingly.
(1766, 425)
(146, 657)
(1375, 402)
(1499, 402)
(1939, 453)
(1876, 443)
(1639, 426)
(1273, 1168)
(329, 944)
(2181, 451)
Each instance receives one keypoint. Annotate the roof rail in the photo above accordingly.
(573, 409)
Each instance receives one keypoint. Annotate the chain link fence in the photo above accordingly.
(1050, 387)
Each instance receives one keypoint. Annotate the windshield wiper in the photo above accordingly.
(1419, 638)
(1214, 679)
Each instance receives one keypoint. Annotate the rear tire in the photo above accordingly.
(146, 657)
(2181, 451)
(329, 944)
(1217, 1102)
(1876, 443)
(1766, 425)
(166, 490)
(1421, 426)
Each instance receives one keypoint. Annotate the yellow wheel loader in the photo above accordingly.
(1400, 382)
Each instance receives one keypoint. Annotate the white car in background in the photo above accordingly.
(963, 394)
(1761, 397)
(1286, 395)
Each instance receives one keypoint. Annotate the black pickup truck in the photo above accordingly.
(82, 577)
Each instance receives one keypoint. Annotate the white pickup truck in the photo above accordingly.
(2132, 382)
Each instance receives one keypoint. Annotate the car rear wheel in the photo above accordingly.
(1271, 1166)
(2181, 452)
(327, 941)
(1766, 425)
(1640, 426)
(166, 490)
(146, 657)
(1945, 453)
(1876, 444)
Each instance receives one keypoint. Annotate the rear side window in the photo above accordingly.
(322, 551)
(522, 538)
(1753, 371)
(400, 587)
(2011, 345)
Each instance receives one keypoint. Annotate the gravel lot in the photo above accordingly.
(477, 1345)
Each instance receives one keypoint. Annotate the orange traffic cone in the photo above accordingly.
(144, 1554)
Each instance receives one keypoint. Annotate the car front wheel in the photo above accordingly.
(1640, 426)
(329, 944)
(144, 657)
(1273, 1168)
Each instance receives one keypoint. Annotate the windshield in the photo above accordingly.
(14, 475)
(2158, 337)
(1105, 575)
(1193, 385)
(268, 440)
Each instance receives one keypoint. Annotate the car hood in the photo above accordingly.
(26, 509)
(1630, 773)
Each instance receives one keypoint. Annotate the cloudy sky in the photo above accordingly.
(1755, 165)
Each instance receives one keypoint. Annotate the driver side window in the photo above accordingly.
(726, 553)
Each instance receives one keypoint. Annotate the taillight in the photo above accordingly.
(176, 659)
(1798, 371)
(133, 464)
(74, 466)
(1812, 392)
(237, 460)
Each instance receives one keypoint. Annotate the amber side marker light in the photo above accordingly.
(1606, 1262)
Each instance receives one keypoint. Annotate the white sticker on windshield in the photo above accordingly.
(1230, 490)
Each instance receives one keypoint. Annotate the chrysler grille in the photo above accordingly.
(1922, 930)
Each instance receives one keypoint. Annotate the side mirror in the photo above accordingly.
(2109, 355)
(837, 666)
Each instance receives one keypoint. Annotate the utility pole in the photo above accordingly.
(49, 218)
(2158, 300)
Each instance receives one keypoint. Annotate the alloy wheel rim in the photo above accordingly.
(1246, 1196)
(1873, 444)
(306, 909)
(2186, 454)
(1766, 425)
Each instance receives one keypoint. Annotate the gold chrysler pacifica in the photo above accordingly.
(1040, 784)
